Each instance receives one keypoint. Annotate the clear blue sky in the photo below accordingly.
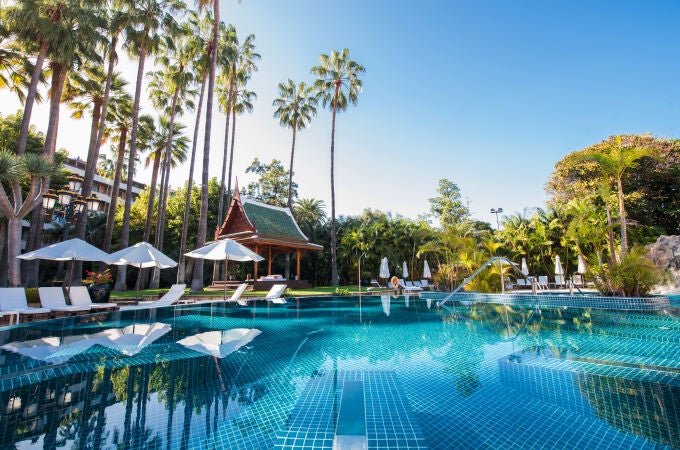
(488, 94)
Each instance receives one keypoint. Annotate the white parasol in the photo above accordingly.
(404, 272)
(581, 265)
(141, 255)
(225, 249)
(70, 250)
(426, 270)
(559, 271)
(525, 267)
(384, 268)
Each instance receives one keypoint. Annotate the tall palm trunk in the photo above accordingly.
(30, 98)
(86, 190)
(181, 269)
(157, 157)
(3, 241)
(334, 261)
(622, 218)
(290, 171)
(160, 229)
(121, 283)
(163, 194)
(290, 192)
(225, 157)
(220, 204)
(166, 158)
(197, 281)
(34, 239)
(610, 226)
(99, 113)
(110, 214)
(231, 157)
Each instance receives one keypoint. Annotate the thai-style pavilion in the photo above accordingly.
(268, 231)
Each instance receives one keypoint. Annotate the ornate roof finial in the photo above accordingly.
(236, 196)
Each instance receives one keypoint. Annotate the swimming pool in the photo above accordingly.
(272, 376)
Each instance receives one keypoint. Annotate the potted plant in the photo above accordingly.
(98, 285)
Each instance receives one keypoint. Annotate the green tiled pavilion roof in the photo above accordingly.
(272, 221)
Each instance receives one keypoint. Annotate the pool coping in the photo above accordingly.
(559, 300)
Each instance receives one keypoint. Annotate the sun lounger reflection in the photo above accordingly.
(129, 341)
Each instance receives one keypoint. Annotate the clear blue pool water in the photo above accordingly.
(476, 376)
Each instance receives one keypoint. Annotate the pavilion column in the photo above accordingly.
(269, 262)
(297, 263)
(257, 250)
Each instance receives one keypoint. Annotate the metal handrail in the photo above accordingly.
(475, 273)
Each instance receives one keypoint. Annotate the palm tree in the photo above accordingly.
(177, 143)
(309, 213)
(197, 281)
(77, 34)
(121, 119)
(178, 156)
(203, 42)
(38, 27)
(613, 160)
(84, 92)
(227, 54)
(239, 100)
(150, 21)
(14, 65)
(13, 170)
(239, 65)
(338, 85)
(295, 107)
(116, 22)
(175, 77)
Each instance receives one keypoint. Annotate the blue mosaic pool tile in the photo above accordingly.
(435, 373)
(390, 423)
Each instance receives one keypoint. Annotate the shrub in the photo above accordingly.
(287, 293)
(32, 296)
(635, 276)
(341, 291)
(97, 277)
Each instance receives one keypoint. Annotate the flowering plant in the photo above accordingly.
(97, 277)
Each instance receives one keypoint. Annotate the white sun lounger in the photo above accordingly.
(236, 296)
(408, 289)
(13, 302)
(274, 294)
(53, 298)
(81, 297)
(170, 298)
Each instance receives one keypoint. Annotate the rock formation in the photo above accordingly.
(665, 253)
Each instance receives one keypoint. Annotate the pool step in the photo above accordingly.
(579, 365)
(629, 397)
(319, 416)
(350, 432)
(608, 344)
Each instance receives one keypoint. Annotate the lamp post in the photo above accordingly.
(498, 211)
(68, 205)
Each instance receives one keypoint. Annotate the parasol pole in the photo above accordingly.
(139, 277)
(225, 277)
(70, 276)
